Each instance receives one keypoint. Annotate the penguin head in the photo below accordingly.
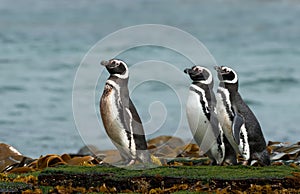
(226, 74)
(116, 67)
(199, 74)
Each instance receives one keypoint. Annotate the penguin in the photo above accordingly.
(239, 123)
(119, 115)
(201, 114)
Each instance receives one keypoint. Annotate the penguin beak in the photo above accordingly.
(187, 70)
(217, 68)
(104, 63)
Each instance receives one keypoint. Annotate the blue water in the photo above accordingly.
(43, 43)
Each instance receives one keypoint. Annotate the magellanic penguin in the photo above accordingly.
(201, 114)
(239, 124)
(120, 118)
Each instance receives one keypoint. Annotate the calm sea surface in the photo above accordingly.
(42, 44)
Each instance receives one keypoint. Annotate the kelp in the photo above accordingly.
(165, 150)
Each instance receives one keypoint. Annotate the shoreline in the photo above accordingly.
(110, 179)
(162, 148)
(183, 168)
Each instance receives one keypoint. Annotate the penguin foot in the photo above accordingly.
(131, 162)
(124, 163)
(245, 163)
(213, 163)
(228, 162)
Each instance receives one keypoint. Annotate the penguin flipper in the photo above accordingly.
(135, 126)
(237, 123)
(216, 128)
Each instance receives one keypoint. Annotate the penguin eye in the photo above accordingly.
(115, 63)
(198, 69)
(226, 70)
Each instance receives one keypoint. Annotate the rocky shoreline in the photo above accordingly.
(164, 179)
(181, 167)
(164, 148)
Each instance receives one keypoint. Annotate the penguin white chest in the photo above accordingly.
(224, 110)
(198, 122)
(111, 108)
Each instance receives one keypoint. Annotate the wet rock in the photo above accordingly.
(191, 150)
(111, 156)
(284, 152)
(166, 146)
(172, 142)
(11, 158)
(91, 150)
(107, 156)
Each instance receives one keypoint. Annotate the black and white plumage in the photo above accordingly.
(120, 118)
(201, 114)
(239, 123)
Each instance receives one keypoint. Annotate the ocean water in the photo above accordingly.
(43, 44)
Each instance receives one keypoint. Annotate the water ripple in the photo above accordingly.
(22, 106)
(4, 89)
(272, 81)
